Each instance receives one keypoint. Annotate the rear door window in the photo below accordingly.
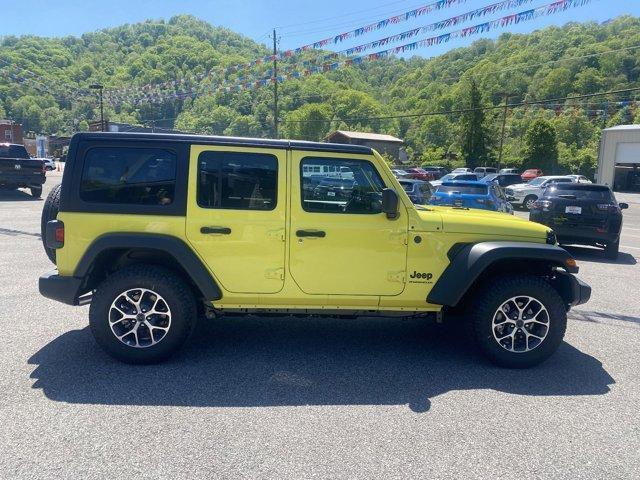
(124, 175)
(237, 181)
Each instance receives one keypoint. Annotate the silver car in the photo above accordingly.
(525, 194)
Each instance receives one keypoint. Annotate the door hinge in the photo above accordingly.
(276, 234)
(396, 276)
(274, 273)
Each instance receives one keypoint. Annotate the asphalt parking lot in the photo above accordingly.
(321, 398)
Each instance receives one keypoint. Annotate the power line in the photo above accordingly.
(467, 110)
(540, 64)
(343, 15)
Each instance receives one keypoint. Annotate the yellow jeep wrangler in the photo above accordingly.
(157, 230)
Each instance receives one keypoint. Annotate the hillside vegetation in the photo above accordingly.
(552, 63)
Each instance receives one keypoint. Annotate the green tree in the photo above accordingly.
(309, 122)
(472, 127)
(541, 147)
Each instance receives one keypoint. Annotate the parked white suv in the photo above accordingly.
(525, 194)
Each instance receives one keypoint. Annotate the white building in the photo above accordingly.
(619, 157)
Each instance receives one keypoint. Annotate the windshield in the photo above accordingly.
(537, 181)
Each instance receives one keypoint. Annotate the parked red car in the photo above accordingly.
(530, 174)
(418, 173)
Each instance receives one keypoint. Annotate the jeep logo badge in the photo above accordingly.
(426, 276)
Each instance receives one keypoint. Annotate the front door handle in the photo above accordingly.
(218, 230)
(311, 233)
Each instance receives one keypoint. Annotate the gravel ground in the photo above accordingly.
(320, 398)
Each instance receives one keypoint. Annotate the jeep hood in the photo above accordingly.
(484, 222)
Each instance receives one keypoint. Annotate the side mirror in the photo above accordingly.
(390, 203)
(623, 206)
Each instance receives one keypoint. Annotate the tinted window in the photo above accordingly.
(559, 180)
(351, 186)
(408, 187)
(237, 181)
(137, 176)
(466, 176)
(463, 189)
(426, 190)
(13, 151)
(581, 193)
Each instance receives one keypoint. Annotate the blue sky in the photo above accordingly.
(299, 22)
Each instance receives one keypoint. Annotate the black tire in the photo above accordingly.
(527, 203)
(36, 192)
(611, 250)
(490, 298)
(171, 287)
(50, 212)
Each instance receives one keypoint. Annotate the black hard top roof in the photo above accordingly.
(227, 141)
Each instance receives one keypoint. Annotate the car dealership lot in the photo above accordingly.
(291, 398)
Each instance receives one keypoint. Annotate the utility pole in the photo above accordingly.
(504, 124)
(275, 85)
(97, 86)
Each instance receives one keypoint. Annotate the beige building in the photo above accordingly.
(380, 142)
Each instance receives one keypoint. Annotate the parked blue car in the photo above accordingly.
(470, 194)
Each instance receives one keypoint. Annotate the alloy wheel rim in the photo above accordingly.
(520, 324)
(139, 318)
(530, 203)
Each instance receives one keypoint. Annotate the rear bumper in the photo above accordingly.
(60, 288)
(587, 235)
(28, 180)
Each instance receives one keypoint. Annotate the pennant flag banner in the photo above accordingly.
(156, 95)
(420, 11)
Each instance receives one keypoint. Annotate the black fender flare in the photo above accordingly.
(470, 261)
(173, 246)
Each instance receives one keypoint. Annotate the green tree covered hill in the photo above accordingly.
(551, 63)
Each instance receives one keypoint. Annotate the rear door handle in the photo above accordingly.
(213, 230)
(311, 233)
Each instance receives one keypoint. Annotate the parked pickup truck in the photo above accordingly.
(18, 170)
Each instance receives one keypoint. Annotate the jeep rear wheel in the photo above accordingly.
(142, 314)
(518, 321)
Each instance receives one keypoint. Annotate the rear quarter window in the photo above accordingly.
(129, 176)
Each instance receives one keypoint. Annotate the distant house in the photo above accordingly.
(10, 132)
(382, 143)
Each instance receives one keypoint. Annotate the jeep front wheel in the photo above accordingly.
(518, 320)
(142, 314)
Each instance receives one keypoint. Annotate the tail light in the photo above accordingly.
(54, 234)
(610, 207)
(542, 204)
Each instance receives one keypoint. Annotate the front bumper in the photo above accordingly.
(60, 288)
(573, 290)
